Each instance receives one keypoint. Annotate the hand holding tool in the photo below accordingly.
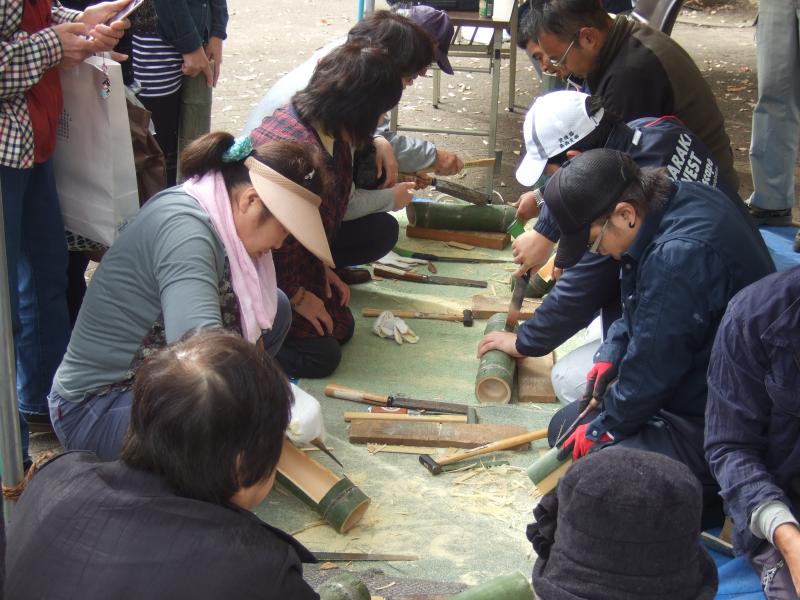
(434, 465)
(597, 379)
(466, 317)
(580, 444)
(572, 426)
(515, 306)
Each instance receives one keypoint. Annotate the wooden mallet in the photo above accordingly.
(434, 465)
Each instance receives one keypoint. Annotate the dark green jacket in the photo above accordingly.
(188, 24)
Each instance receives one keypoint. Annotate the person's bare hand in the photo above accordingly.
(499, 340)
(75, 48)
(106, 37)
(531, 250)
(447, 163)
(196, 63)
(403, 194)
(312, 309)
(102, 12)
(787, 541)
(214, 54)
(385, 160)
(527, 208)
(333, 281)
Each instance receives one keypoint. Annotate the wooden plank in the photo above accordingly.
(440, 435)
(368, 416)
(533, 379)
(482, 239)
(484, 306)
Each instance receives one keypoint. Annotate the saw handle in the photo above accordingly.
(505, 444)
(396, 274)
(334, 390)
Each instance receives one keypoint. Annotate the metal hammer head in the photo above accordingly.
(468, 320)
(427, 461)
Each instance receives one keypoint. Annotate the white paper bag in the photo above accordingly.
(94, 167)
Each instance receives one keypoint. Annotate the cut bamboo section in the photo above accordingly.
(548, 469)
(496, 370)
(340, 502)
(344, 586)
(481, 239)
(542, 282)
(513, 586)
(460, 217)
(369, 416)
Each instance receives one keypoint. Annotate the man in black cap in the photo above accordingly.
(622, 525)
(684, 254)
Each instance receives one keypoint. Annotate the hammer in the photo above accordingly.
(434, 465)
(465, 318)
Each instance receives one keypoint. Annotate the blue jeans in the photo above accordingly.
(776, 118)
(36, 252)
(99, 422)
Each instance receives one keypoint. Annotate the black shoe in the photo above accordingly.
(37, 423)
(797, 241)
(774, 218)
(353, 276)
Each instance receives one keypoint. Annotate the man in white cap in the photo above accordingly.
(560, 126)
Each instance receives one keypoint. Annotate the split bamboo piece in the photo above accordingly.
(548, 469)
(460, 217)
(340, 502)
(496, 370)
(484, 306)
(368, 416)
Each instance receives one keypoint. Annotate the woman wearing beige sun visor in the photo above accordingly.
(197, 256)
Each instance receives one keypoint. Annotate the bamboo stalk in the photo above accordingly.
(496, 370)
(548, 469)
(513, 586)
(460, 217)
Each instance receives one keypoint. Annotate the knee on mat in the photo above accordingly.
(387, 233)
(324, 361)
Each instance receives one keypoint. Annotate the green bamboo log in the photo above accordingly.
(497, 369)
(513, 586)
(548, 469)
(460, 217)
(344, 586)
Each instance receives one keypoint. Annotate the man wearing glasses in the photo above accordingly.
(684, 255)
(639, 71)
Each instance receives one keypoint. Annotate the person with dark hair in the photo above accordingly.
(196, 256)
(640, 71)
(684, 253)
(172, 518)
(622, 525)
(352, 87)
(558, 127)
(413, 43)
(753, 427)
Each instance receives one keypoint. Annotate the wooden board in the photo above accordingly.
(439, 435)
(484, 306)
(533, 379)
(495, 241)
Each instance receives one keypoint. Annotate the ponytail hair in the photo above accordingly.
(300, 163)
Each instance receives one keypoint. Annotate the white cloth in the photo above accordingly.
(306, 422)
(388, 326)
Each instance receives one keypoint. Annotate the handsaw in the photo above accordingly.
(391, 273)
(593, 403)
(452, 259)
(515, 306)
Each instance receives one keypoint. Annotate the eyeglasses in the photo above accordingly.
(596, 243)
(557, 64)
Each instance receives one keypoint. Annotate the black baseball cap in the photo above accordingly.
(584, 188)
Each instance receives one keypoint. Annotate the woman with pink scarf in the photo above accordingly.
(197, 256)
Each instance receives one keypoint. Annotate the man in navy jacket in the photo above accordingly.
(753, 427)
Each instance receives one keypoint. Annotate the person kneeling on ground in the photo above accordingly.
(684, 254)
(622, 525)
(753, 427)
(198, 255)
(171, 518)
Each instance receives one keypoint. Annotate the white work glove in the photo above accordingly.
(393, 259)
(388, 326)
(305, 423)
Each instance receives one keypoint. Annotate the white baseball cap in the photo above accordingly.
(554, 123)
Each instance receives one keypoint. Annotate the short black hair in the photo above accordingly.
(410, 47)
(209, 415)
(524, 25)
(598, 137)
(564, 18)
(350, 90)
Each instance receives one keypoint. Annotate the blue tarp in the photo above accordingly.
(737, 579)
(780, 242)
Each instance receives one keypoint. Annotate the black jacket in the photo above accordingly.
(642, 72)
(91, 530)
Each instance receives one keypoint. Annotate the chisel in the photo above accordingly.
(345, 393)
(391, 273)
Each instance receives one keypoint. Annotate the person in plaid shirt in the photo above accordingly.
(35, 37)
(337, 112)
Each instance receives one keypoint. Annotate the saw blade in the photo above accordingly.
(456, 281)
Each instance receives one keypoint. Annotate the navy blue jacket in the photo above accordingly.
(753, 413)
(593, 283)
(188, 24)
(686, 263)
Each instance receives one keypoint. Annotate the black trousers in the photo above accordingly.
(366, 239)
(675, 436)
(166, 116)
(311, 357)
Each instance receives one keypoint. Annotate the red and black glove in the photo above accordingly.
(580, 444)
(597, 380)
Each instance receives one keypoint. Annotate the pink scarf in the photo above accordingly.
(253, 280)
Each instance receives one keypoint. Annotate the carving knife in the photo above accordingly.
(391, 273)
(368, 556)
(517, 297)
